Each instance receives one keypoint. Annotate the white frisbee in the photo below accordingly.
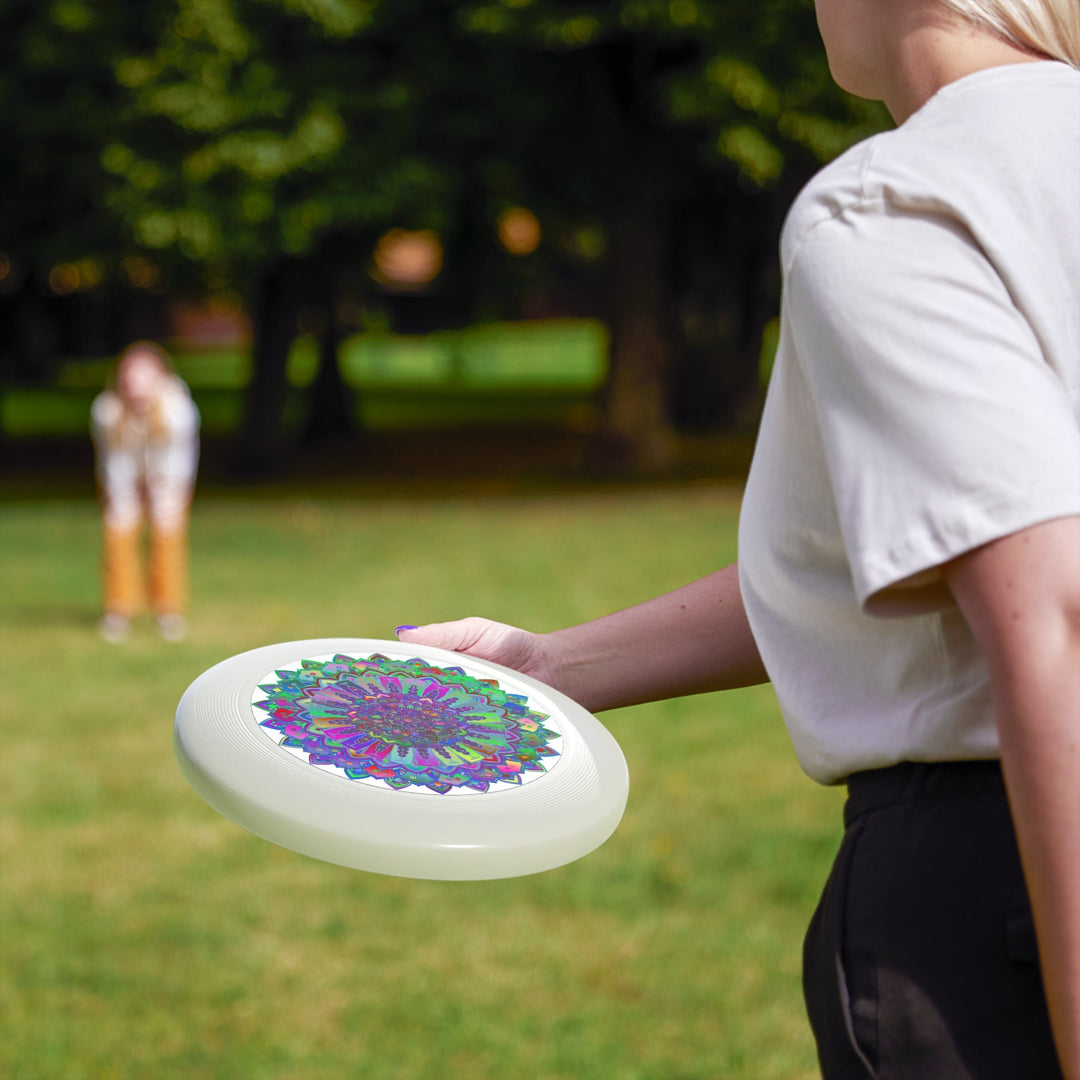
(400, 759)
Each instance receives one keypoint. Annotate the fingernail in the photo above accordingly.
(398, 629)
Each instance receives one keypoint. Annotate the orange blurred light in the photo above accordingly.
(64, 279)
(519, 231)
(407, 259)
(5, 266)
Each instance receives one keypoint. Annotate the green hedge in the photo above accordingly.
(532, 371)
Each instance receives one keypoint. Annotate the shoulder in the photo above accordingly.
(106, 410)
(176, 403)
(832, 192)
(987, 153)
(174, 417)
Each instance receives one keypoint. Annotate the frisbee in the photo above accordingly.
(400, 759)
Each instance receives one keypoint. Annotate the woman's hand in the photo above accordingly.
(486, 640)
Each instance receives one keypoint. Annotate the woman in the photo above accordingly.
(145, 430)
(909, 574)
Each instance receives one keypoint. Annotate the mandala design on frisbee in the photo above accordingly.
(406, 724)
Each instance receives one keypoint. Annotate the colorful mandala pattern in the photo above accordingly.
(407, 723)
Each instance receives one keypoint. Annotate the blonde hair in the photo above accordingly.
(1048, 27)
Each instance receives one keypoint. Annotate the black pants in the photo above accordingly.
(920, 961)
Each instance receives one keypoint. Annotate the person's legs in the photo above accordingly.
(921, 960)
(122, 586)
(169, 567)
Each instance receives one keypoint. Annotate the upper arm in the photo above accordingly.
(943, 425)
(1021, 598)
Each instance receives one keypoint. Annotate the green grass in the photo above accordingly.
(145, 936)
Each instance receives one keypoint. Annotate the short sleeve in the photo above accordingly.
(105, 414)
(178, 412)
(944, 426)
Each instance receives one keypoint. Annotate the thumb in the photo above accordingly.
(486, 640)
(456, 636)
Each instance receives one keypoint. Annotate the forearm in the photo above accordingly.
(1039, 727)
(1021, 598)
(689, 641)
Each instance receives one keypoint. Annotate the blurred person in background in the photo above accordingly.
(909, 549)
(146, 437)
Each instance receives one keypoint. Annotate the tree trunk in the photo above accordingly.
(261, 446)
(635, 191)
(35, 337)
(637, 426)
(331, 412)
(727, 283)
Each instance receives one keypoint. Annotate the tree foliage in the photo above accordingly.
(263, 145)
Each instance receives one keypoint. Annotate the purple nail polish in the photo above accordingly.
(398, 629)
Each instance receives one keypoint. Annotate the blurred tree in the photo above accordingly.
(692, 124)
(59, 106)
(294, 133)
(273, 139)
(261, 147)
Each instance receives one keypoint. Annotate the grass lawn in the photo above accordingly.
(144, 936)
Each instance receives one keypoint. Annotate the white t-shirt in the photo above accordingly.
(925, 400)
(144, 463)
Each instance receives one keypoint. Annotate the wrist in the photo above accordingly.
(574, 666)
(555, 664)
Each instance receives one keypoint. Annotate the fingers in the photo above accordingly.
(440, 635)
(481, 638)
(461, 635)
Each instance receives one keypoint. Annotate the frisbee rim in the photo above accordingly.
(246, 777)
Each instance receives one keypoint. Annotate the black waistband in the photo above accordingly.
(920, 781)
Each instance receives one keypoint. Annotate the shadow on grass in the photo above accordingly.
(414, 464)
